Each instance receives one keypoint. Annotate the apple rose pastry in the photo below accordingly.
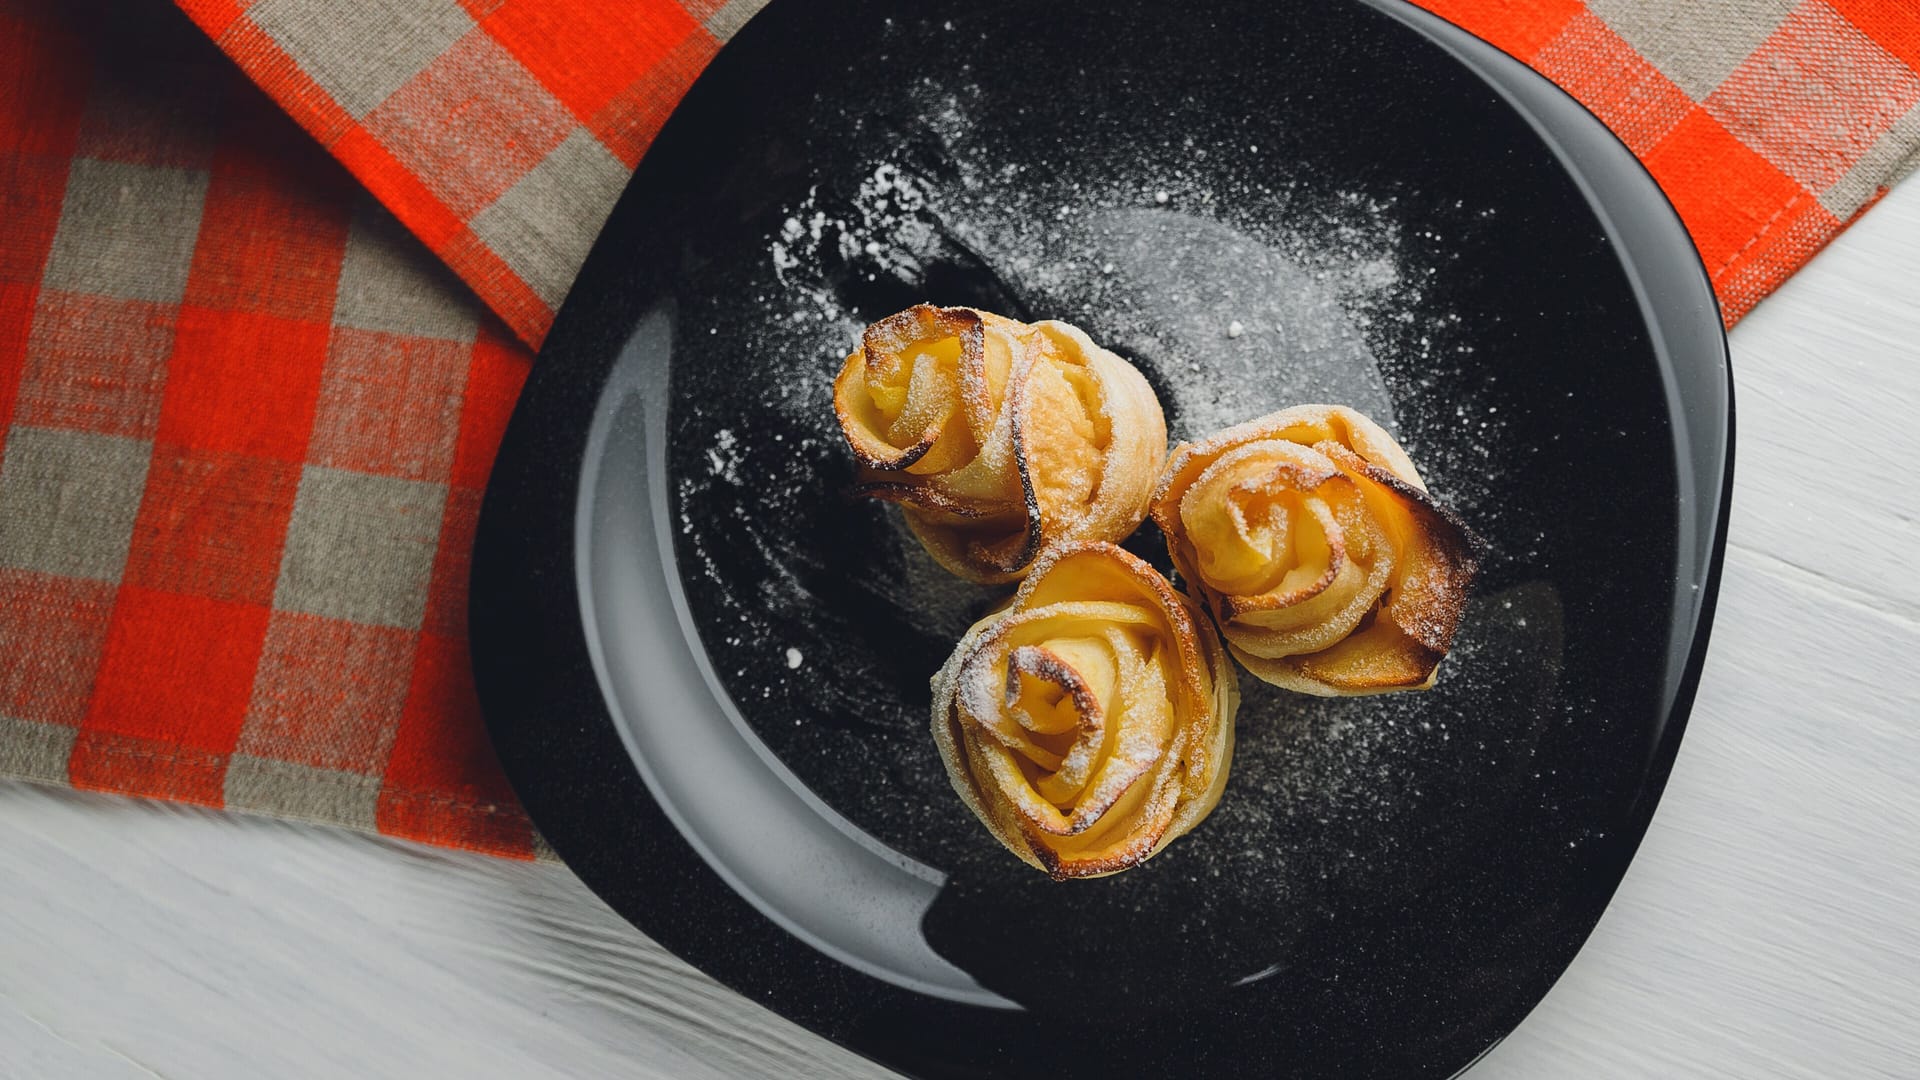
(1090, 721)
(1311, 538)
(998, 437)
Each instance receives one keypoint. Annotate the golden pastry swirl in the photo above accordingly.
(1311, 537)
(998, 437)
(1090, 722)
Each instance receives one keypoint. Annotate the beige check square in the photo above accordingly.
(35, 751)
(546, 248)
(389, 282)
(68, 500)
(361, 51)
(302, 792)
(1696, 43)
(360, 548)
(54, 629)
(127, 231)
(723, 18)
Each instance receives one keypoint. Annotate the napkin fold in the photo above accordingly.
(252, 377)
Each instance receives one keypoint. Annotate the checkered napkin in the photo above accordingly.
(251, 378)
(247, 419)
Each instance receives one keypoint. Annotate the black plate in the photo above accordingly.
(706, 673)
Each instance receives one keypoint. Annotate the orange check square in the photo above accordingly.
(43, 75)
(212, 524)
(443, 783)
(267, 244)
(1516, 27)
(630, 119)
(1764, 265)
(498, 368)
(246, 383)
(446, 612)
(1894, 24)
(33, 187)
(178, 668)
(587, 53)
(16, 317)
(1725, 192)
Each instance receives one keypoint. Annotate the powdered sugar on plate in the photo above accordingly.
(1158, 266)
(1238, 287)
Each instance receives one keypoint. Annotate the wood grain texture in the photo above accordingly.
(1770, 927)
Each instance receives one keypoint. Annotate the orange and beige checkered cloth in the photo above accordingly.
(269, 287)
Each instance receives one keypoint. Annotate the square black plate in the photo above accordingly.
(706, 674)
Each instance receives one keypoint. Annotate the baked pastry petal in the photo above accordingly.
(1311, 538)
(1090, 721)
(998, 437)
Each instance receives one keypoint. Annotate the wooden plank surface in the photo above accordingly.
(1770, 927)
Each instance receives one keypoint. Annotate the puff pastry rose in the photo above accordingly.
(997, 437)
(1089, 722)
(1311, 538)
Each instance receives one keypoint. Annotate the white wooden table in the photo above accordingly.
(1769, 928)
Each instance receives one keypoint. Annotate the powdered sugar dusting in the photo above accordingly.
(1237, 290)
(1161, 266)
(1375, 866)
